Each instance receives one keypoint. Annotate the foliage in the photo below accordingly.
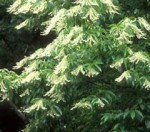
(93, 76)
(12, 42)
(15, 44)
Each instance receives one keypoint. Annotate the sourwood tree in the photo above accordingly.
(94, 77)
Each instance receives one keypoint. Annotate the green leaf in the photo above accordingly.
(132, 113)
